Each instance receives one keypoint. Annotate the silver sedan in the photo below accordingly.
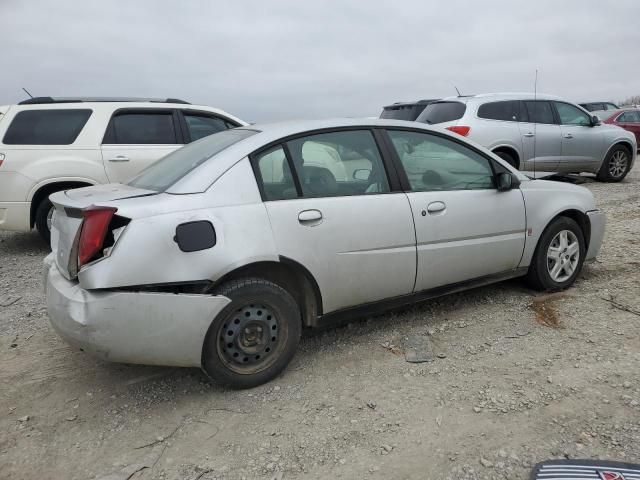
(218, 255)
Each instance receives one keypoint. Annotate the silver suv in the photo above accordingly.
(539, 133)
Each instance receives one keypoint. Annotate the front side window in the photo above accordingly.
(629, 117)
(204, 125)
(171, 168)
(338, 164)
(46, 127)
(275, 175)
(570, 115)
(611, 106)
(506, 111)
(142, 128)
(539, 111)
(435, 163)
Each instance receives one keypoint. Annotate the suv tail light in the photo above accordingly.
(460, 129)
(93, 231)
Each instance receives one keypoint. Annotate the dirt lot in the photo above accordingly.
(516, 378)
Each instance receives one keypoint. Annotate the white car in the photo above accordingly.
(219, 254)
(53, 144)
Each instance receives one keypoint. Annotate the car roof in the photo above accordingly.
(504, 96)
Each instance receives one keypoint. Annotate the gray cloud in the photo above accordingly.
(293, 59)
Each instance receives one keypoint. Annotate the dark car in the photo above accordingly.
(405, 110)
(594, 106)
(627, 118)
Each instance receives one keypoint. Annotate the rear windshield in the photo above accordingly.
(440, 112)
(168, 170)
(404, 112)
(46, 127)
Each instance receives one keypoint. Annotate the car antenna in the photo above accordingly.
(459, 94)
(27, 92)
(535, 109)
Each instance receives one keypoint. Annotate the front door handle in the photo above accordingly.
(530, 134)
(568, 135)
(119, 158)
(307, 216)
(435, 207)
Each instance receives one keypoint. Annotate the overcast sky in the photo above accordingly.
(273, 60)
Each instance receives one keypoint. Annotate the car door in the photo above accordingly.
(541, 136)
(465, 227)
(135, 138)
(630, 120)
(581, 141)
(355, 236)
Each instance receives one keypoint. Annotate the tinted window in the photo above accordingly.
(203, 125)
(436, 163)
(570, 115)
(629, 117)
(142, 128)
(440, 112)
(171, 168)
(338, 163)
(404, 112)
(507, 111)
(46, 127)
(275, 175)
(539, 111)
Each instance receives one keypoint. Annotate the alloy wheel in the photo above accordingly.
(618, 164)
(563, 256)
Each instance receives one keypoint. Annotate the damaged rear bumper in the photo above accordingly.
(130, 327)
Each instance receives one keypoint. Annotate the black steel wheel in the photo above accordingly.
(254, 338)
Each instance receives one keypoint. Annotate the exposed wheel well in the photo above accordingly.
(582, 219)
(509, 151)
(291, 276)
(46, 190)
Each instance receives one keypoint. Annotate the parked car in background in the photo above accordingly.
(593, 106)
(539, 133)
(218, 255)
(627, 118)
(52, 144)
(405, 110)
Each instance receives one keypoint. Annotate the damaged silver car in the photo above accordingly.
(218, 255)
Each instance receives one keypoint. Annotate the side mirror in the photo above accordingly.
(361, 174)
(506, 181)
(595, 121)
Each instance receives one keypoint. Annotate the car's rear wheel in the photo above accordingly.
(43, 217)
(255, 337)
(616, 165)
(507, 157)
(559, 256)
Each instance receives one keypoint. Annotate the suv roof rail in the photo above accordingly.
(44, 100)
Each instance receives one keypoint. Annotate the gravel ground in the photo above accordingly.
(517, 377)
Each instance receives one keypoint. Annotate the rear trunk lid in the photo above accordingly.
(67, 219)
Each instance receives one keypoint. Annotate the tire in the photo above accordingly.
(43, 220)
(236, 351)
(507, 157)
(540, 275)
(615, 166)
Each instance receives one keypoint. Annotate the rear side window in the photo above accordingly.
(46, 127)
(440, 112)
(204, 125)
(141, 128)
(539, 111)
(507, 111)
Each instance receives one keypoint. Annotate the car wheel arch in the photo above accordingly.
(581, 218)
(44, 190)
(290, 275)
(509, 150)
(619, 143)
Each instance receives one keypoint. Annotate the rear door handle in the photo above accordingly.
(119, 158)
(306, 216)
(435, 207)
(568, 135)
(528, 135)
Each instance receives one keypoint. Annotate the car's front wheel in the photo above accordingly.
(559, 256)
(255, 337)
(616, 165)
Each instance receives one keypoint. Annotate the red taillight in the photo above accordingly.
(460, 129)
(94, 229)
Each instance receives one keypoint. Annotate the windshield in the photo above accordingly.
(440, 112)
(168, 170)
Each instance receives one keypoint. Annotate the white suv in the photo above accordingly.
(539, 133)
(53, 144)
